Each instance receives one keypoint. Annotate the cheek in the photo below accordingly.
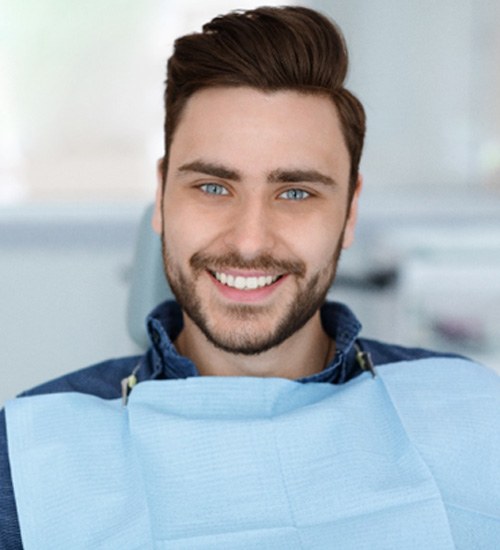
(175, 232)
(185, 232)
(316, 242)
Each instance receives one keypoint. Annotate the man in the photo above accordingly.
(299, 434)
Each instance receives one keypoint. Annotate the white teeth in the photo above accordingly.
(240, 283)
(245, 283)
(252, 283)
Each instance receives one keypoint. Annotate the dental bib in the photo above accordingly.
(251, 463)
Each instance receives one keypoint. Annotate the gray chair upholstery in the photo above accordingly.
(148, 284)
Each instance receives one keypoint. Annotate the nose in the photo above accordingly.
(251, 232)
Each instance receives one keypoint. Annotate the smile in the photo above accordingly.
(245, 283)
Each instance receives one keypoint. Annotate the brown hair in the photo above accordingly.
(271, 49)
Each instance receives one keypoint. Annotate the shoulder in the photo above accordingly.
(437, 390)
(383, 353)
(453, 382)
(9, 526)
(102, 380)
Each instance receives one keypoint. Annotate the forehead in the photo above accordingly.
(245, 102)
(250, 126)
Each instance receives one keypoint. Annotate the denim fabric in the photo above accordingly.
(162, 361)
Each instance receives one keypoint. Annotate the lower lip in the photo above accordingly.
(247, 296)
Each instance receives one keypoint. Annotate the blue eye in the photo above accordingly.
(214, 189)
(295, 195)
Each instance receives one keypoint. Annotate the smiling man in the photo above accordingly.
(259, 417)
(256, 206)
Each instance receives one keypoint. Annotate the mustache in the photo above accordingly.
(201, 261)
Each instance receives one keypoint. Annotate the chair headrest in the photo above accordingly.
(148, 286)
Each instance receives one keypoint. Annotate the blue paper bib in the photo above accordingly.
(248, 463)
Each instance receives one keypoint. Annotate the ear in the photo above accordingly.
(352, 215)
(157, 219)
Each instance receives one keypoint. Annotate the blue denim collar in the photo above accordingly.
(165, 324)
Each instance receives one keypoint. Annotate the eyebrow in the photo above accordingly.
(210, 169)
(300, 176)
(276, 176)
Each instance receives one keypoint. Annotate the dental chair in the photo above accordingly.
(148, 283)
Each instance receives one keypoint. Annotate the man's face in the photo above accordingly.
(255, 213)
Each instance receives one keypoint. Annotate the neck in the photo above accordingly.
(305, 353)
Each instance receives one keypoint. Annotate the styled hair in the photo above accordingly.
(270, 49)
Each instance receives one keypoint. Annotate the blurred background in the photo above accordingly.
(81, 87)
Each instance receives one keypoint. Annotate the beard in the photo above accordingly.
(309, 297)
